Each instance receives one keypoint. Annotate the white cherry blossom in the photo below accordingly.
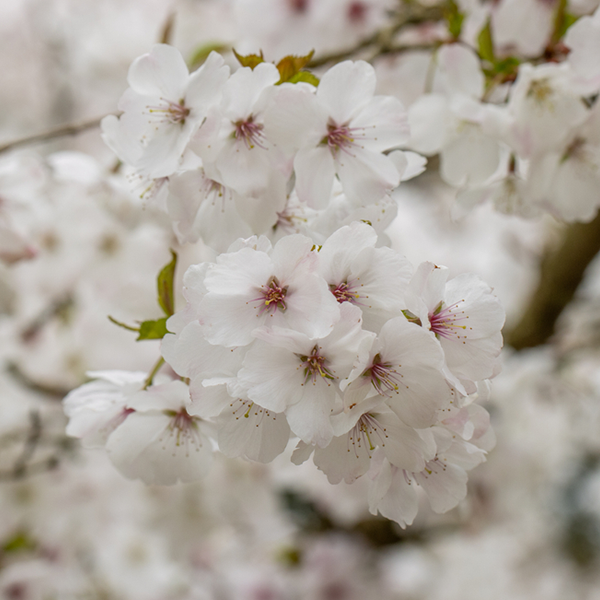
(162, 109)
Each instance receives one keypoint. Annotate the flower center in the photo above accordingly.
(250, 133)
(443, 321)
(184, 427)
(314, 366)
(384, 378)
(344, 292)
(273, 297)
(170, 112)
(339, 137)
(367, 433)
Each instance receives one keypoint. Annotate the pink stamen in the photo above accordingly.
(385, 379)
(443, 321)
(344, 292)
(170, 112)
(250, 133)
(314, 366)
(272, 298)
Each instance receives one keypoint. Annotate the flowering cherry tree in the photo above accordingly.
(313, 317)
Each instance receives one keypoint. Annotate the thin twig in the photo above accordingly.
(410, 14)
(51, 134)
(35, 432)
(159, 363)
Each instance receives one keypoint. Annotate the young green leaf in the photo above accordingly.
(250, 60)
(486, 44)
(153, 330)
(164, 283)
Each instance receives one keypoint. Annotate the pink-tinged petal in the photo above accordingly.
(245, 87)
(445, 485)
(146, 447)
(161, 73)
(205, 84)
(239, 273)
(246, 429)
(310, 419)
(162, 156)
(470, 157)
(208, 397)
(315, 172)
(295, 119)
(366, 176)
(428, 119)
(118, 137)
(191, 355)
(394, 496)
(343, 459)
(274, 378)
(229, 320)
(346, 88)
(427, 285)
(381, 125)
(409, 164)
(459, 71)
(403, 446)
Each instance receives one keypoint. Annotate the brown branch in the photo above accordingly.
(51, 134)
(409, 14)
(561, 272)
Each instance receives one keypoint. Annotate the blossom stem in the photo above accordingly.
(155, 369)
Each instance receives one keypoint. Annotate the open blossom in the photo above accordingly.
(465, 317)
(97, 408)
(163, 107)
(233, 140)
(359, 432)
(342, 129)
(286, 371)
(393, 490)
(160, 442)
(404, 368)
(252, 288)
(374, 279)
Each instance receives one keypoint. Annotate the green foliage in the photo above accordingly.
(164, 283)
(157, 328)
(562, 21)
(454, 19)
(290, 69)
(485, 44)
(250, 60)
(19, 542)
(153, 330)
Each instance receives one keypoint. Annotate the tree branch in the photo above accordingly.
(409, 14)
(561, 272)
(51, 134)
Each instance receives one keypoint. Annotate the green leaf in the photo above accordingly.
(454, 19)
(164, 284)
(250, 60)
(291, 65)
(20, 541)
(486, 44)
(153, 330)
(306, 77)
(562, 21)
(202, 52)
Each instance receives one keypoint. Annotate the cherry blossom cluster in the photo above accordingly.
(371, 368)
(513, 117)
(231, 156)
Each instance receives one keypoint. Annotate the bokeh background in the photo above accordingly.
(72, 527)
